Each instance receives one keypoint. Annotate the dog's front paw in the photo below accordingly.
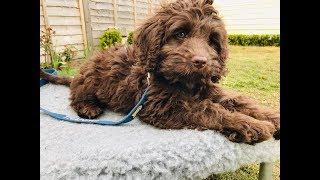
(275, 120)
(251, 133)
(276, 135)
(88, 111)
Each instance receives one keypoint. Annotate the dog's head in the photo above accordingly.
(184, 41)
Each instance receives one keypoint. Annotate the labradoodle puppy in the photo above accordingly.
(184, 48)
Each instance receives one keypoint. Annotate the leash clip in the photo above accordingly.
(136, 111)
(148, 78)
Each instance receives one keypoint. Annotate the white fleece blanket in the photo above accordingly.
(135, 150)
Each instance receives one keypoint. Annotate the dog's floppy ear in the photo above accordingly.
(224, 47)
(223, 56)
(148, 42)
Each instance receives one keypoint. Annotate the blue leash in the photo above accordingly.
(129, 117)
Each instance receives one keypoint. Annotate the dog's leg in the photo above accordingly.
(208, 115)
(246, 106)
(236, 126)
(242, 128)
(83, 98)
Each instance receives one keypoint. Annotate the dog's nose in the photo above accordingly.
(199, 61)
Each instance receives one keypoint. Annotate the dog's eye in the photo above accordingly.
(181, 34)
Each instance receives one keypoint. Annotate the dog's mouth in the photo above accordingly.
(175, 69)
(176, 77)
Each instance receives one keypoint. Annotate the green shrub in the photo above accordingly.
(130, 38)
(109, 37)
(254, 40)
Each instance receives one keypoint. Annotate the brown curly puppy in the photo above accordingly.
(184, 48)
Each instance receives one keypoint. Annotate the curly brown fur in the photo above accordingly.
(184, 47)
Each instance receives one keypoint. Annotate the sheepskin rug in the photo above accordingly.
(135, 150)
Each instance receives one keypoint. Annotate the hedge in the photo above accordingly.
(244, 39)
(254, 40)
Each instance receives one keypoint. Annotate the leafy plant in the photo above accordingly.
(130, 38)
(47, 46)
(55, 59)
(110, 37)
(68, 53)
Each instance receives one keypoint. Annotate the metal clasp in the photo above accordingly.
(136, 111)
(148, 78)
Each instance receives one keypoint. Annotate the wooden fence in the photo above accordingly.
(80, 22)
(250, 16)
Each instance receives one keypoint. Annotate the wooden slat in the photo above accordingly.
(67, 30)
(108, 1)
(78, 47)
(243, 2)
(141, 17)
(42, 20)
(100, 5)
(125, 8)
(142, 1)
(249, 12)
(125, 14)
(65, 21)
(41, 11)
(97, 33)
(87, 17)
(251, 27)
(97, 19)
(101, 12)
(46, 22)
(83, 24)
(115, 15)
(63, 11)
(134, 13)
(64, 3)
(101, 26)
(124, 2)
(125, 21)
(46, 25)
(125, 28)
(245, 22)
(95, 43)
(256, 12)
(65, 40)
(254, 31)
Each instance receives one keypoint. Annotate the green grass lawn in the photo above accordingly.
(253, 71)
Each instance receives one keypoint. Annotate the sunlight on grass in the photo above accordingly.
(255, 71)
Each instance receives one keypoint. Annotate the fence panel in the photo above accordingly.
(81, 22)
(65, 18)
